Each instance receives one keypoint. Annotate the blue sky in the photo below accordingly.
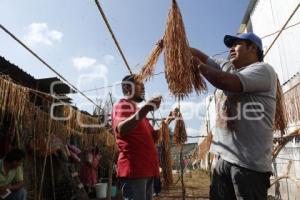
(71, 36)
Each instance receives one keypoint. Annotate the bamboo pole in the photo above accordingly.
(52, 177)
(181, 172)
(45, 159)
(34, 151)
(112, 35)
(110, 163)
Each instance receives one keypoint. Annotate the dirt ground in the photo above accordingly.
(196, 183)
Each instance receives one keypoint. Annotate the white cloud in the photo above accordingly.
(89, 66)
(108, 59)
(191, 110)
(201, 108)
(101, 69)
(92, 74)
(39, 33)
(91, 80)
(83, 62)
(192, 132)
(55, 35)
(188, 110)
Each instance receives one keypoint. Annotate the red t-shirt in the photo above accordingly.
(137, 152)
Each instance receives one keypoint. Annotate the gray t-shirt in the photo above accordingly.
(244, 121)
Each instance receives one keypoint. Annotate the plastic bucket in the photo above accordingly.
(113, 191)
(101, 190)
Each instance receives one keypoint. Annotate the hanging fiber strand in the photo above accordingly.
(198, 83)
(166, 160)
(292, 104)
(280, 122)
(205, 146)
(180, 136)
(12, 104)
(148, 70)
(24, 116)
(177, 56)
(180, 74)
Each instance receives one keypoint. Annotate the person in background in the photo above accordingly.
(157, 181)
(157, 185)
(11, 176)
(89, 170)
(137, 164)
(245, 105)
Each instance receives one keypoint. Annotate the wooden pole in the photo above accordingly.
(52, 177)
(112, 35)
(34, 149)
(209, 165)
(45, 159)
(111, 163)
(181, 172)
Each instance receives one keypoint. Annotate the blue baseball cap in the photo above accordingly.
(230, 39)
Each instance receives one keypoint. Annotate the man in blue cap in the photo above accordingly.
(245, 109)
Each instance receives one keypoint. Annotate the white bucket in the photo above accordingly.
(101, 190)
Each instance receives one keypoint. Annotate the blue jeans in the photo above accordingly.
(17, 195)
(137, 189)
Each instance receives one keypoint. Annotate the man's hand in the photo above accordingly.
(218, 78)
(196, 53)
(196, 62)
(172, 115)
(160, 43)
(124, 127)
(153, 104)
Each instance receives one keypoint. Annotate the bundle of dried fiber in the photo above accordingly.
(30, 117)
(178, 57)
(205, 146)
(93, 139)
(180, 75)
(292, 102)
(19, 102)
(80, 121)
(4, 96)
(14, 99)
(42, 123)
(88, 120)
(148, 70)
(166, 160)
(4, 91)
(280, 122)
(68, 113)
(180, 136)
(110, 140)
(197, 80)
(72, 115)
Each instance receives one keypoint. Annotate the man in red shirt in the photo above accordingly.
(137, 162)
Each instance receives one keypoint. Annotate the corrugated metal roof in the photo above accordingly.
(16, 73)
(25, 79)
(59, 87)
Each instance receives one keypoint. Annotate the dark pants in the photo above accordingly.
(17, 195)
(157, 185)
(137, 189)
(231, 182)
